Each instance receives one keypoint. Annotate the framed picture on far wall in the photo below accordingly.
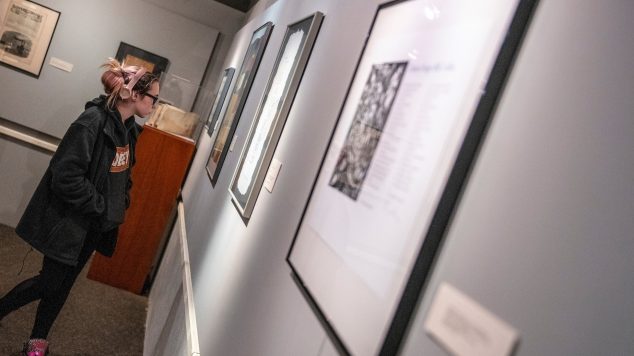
(223, 88)
(135, 56)
(238, 98)
(271, 115)
(26, 31)
(421, 96)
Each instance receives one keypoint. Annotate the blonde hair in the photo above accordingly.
(117, 75)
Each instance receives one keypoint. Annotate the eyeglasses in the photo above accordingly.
(154, 98)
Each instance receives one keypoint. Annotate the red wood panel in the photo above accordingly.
(162, 160)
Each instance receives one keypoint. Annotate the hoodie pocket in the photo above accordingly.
(66, 239)
(115, 211)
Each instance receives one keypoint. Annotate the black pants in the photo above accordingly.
(51, 286)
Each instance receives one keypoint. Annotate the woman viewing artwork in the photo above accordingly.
(81, 200)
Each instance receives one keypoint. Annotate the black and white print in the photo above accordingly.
(367, 125)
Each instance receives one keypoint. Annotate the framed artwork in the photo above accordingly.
(135, 56)
(238, 98)
(25, 35)
(422, 94)
(220, 99)
(272, 112)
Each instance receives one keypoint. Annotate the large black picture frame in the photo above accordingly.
(237, 100)
(310, 266)
(132, 55)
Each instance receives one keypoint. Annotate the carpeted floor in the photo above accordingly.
(96, 320)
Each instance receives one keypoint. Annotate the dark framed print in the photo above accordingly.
(407, 133)
(135, 56)
(26, 33)
(238, 98)
(272, 112)
(223, 88)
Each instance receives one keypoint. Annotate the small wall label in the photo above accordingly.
(60, 64)
(464, 327)
(271, 175)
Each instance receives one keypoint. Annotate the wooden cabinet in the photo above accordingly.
(162, 160)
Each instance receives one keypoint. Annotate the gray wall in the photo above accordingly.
(216, 15)
(543, 233)
(88, 32)
(246, 302)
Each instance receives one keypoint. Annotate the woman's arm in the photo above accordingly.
(69, 168)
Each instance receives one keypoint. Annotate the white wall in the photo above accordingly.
(542, 236)
(87, 33)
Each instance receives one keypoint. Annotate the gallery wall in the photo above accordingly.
(241, 281)
(87, 33)
(221, 17)
(542, 234)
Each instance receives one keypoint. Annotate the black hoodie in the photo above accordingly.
(86, 186)
(115, 189)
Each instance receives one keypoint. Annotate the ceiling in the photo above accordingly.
(240, 5)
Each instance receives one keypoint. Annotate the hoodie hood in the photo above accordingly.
(102, 102)
(98, 101)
